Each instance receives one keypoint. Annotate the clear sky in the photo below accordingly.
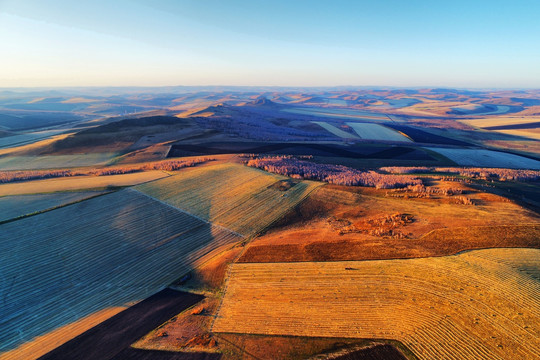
(472, 43)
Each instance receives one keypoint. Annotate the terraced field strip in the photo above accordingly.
(62, 265)
(487, 158)
(234, 196)
(79, 183)
(19, 205)
(369, 131)
(334, 130)
(482, 304)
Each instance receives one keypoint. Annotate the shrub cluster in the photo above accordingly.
(475, 173)
(167, 165)
(334, 174)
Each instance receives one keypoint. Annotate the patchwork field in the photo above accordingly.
(240, 198)
(19, 205)
(481, 304)
(334, 130)
(65, 264)
(79, 183)
(368, 131)
(487, 158)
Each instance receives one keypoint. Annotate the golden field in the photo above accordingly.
(481, 304)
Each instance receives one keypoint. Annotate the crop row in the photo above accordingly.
(20, 205)
(60, 266)
(239, 198)
(477, 305)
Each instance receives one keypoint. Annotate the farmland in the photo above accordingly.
(19, 205)
(98, 253)
(334, 130)
(448, 307)
(54, 161)
(316, 223)
(368, 131)
(79, 183)
(487, 158)
(242, 199)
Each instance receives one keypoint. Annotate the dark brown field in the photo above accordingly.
(111, 337)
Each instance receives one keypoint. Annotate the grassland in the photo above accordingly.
(487, 158)
(478, 305)
(79, 183)
(240, 198)
(348, 223)
(65, 264)
(19, 205)
(368, 131)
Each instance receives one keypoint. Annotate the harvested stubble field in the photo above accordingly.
(65, 264)
(481, 304)
(240, 198)
(79, 183)
(19, 205)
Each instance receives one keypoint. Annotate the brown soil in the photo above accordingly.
(340, 223)
(187, 331)
(243, 346)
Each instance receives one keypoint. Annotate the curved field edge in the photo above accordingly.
(99, 253)
(481, 304)
(438, 242)
(237, 197)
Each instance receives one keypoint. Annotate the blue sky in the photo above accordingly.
(474, 43)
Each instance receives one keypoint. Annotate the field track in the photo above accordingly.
(482, 304)
(240, 198)
(109, 338)
(19, 205)
(65, 264)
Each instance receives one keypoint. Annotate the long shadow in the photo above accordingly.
(112, 338)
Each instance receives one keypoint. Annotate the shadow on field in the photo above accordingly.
(111, 339)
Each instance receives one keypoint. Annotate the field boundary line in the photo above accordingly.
(20, 217)
(187, 213)
(387, 259)
(526, 225)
